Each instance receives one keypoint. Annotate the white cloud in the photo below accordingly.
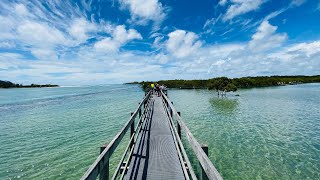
(21, 9)
(7, 44)
(239, 7)
(39, 34)
(48, 34)
(232, 60)
(161, 58)
(10, 56)
(266, 38)
(144, 10)
(211, 22)
(182, 43)
(107, 45)
(222, 2)
(120, 36)
(81, 28)
(44, 53)
(29, 26)
(308, 49)
(297, 2)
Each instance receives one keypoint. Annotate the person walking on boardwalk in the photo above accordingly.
(158, 90)
(152, 87)
(161, 87)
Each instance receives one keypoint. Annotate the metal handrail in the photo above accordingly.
(101, 164)
(132, 142)
(206, 164)
(103, 159)
(183, 157)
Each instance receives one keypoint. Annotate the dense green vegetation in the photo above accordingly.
(227, 84)
(8, 84)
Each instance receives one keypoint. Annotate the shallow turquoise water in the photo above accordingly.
(55, 133)
(265, 133)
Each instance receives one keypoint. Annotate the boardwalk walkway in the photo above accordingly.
(155, 149)
(155, 155)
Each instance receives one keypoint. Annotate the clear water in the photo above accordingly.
(265, 133)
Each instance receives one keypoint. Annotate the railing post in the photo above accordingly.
(132, 126)
(171, 110)
(144, 104)
(104, 174)
(203, 173)
(178, 126)
(131, 130)
(139, 111)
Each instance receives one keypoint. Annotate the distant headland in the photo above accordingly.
(8, 84)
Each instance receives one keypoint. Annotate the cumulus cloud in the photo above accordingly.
(308, 49)
(39, 34)
(182, 43)
(239, 7)
(144, 10)
(80, 29)
(88, 50)
(120, 36)
(266, 38)
(222, 2)
(48, 34)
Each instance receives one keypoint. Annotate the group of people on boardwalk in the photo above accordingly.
(157, 88)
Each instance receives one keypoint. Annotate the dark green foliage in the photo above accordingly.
(231, 87)
(146, 85)
(227, 84)
(221, 84)
(185, 84)
(8, 84)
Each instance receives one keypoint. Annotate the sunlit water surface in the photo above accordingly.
(55, 133)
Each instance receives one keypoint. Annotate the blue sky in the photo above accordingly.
(114, 41)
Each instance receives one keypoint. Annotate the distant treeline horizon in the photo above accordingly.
(232, 84)
(8, 84)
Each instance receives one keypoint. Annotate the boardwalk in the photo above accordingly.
(155, 149)
(155, 155)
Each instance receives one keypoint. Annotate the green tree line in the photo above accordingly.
(8, 84)
(232, 84)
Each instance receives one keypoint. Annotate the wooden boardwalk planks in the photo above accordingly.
(155, 155)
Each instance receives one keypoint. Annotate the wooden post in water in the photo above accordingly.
(203, 173)
(178, 126)
(104, 175)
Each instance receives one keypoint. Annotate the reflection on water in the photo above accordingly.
(224, 104)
